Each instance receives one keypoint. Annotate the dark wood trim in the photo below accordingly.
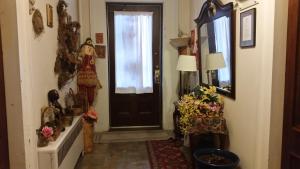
(4, 154)
(222, 10)
(292, 53)
(110, 61)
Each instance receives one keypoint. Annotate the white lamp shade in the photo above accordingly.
(215, 61)
(187, 63)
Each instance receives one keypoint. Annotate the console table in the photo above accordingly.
(65, 151)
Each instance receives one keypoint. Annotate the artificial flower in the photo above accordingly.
(202, 102)
(47, 132)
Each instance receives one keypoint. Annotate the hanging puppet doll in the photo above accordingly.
(87, 80)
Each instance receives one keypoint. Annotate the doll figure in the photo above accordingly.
(87, 80)
(53, 97)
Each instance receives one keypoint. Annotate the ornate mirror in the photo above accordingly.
(216, 36)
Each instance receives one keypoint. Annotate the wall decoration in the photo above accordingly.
(31, 6)
(99, 38)
(87, 80)
(101, 51)
(248, 28)
(37, 21)
(49, 15)
(68, 43)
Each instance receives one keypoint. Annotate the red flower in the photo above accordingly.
(47, 132)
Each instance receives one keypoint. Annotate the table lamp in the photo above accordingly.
(186, 63)
(214, 61)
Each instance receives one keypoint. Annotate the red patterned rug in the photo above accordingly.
(166, 154)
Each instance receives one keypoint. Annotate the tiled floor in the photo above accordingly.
(130, 155)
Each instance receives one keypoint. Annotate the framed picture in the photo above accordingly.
(99, 38)
(49, 16)
(248, 28)
(100, 51)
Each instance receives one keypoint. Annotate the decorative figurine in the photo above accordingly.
(53, 97)
(87, 80)
(48, 116)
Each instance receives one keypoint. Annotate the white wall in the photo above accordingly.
(255, 128)
(27, 83)
(170, 75)
(84, 18)
(184, 16)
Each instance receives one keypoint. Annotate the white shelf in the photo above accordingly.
(180, 42)
(54, 146)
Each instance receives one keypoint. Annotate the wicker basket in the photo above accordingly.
(67, 121)
(88, 132)
(77, 111)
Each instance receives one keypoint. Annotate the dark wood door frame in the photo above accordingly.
(134, 7)
(291, 122)
(4, 156)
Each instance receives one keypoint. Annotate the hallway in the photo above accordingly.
(67, 85)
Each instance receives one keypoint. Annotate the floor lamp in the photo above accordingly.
(186, 63)
(214, 61)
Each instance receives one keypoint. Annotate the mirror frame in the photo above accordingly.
(221, 10)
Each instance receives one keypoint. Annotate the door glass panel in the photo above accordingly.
(133, 52)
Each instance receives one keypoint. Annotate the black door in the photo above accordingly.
(129, 109)
(4, 162)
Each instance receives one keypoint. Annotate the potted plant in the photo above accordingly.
(89, 118)
(202, 113)
(202, 105)
(45, 134)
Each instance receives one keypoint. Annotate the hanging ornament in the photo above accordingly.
(37, 22)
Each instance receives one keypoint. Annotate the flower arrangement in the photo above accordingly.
(45, 134)
(90, 116)
(202, 102)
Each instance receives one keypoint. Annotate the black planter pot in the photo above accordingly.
(215, 159)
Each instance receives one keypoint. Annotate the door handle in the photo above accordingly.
(157, 75)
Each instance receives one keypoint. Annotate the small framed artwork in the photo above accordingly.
(99, 38)
(49, 15)
(100, 51)
(248, 28)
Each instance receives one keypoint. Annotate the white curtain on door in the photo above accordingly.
(133, 52)
(222, 38)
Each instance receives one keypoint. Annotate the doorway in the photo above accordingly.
(4, 156)
(135, 45)
(291, 124)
